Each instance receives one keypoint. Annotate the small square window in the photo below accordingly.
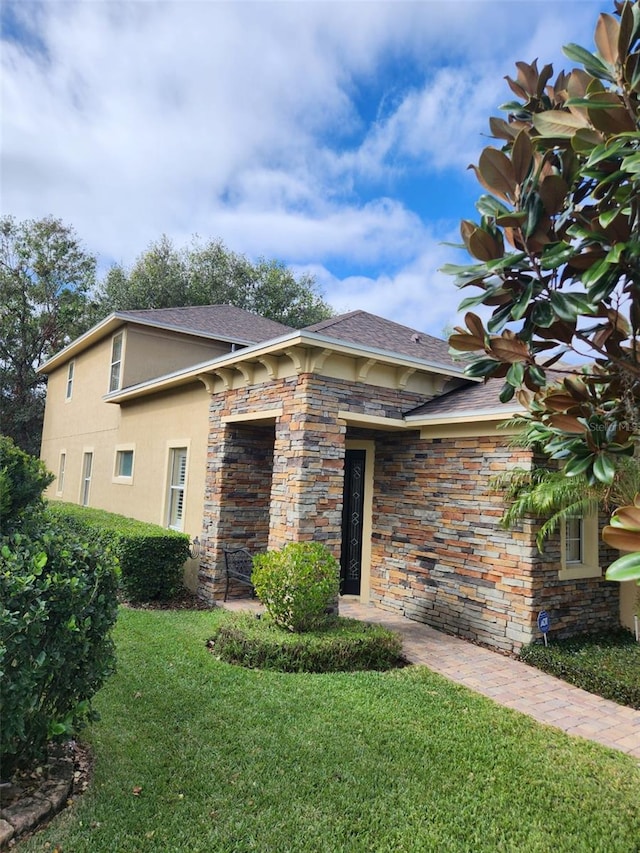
(124, 463)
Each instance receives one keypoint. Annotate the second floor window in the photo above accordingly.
(116, 362)
(70, 371)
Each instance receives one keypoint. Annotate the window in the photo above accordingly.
(61, 468)
(124, 464)
(87, 465)
(579, 546)
(574, 540)
(70, 372)
(177, 479)
(116, 361)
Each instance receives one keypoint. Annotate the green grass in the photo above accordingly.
(607, 664)
(339, 645)
(231, 759)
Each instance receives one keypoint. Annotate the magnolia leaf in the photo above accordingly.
(591, 63)
(576, 388)
(578, 465)
(568, 424)
(484, 246)
(558, 124)
(625, 568)
(623, 540)
(627, 517)
(497, 170)
(585, 140)
(509, 350)
(626, 30)
(474, 324)
(553, 191)
(466, 343)
(466, 230)
(604, 468)
(559, 402)
(606, 38)
(522, 156)
(507, 393)
(556, 254)
(502, 129)
(613, 120)
(482, 367)
(487, 205)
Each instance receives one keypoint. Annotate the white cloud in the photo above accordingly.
(246, 121)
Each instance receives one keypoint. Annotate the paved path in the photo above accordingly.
(507, 681)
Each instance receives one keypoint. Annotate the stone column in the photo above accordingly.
(308, 468)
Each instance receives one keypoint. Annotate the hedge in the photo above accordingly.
(58, 603)
(151, 557)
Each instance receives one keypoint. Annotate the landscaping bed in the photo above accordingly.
(606, 664)
(341, 645)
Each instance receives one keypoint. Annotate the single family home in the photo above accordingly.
(356, 431)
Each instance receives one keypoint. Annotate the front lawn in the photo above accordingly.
(193, 754)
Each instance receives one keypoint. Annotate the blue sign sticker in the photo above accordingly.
(543, 621)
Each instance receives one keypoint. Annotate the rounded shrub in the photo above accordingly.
(58, 603)
(23, 478)
(297, 584)
(342, 645)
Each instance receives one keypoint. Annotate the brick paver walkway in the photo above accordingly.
(505, 680)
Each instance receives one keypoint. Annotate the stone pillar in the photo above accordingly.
(308, 468)
(236, 511)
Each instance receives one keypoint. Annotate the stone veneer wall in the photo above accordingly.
(576, 606)
(440, 557)
(305, 465)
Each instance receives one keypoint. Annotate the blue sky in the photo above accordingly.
(333, 136)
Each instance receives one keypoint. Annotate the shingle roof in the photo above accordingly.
(225, 321)
(469, 398)
(360, 327)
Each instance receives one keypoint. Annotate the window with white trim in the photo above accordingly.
(579, 545)
(87, 467)
(124, 464)
(70, 372)
(62, 464)
(177, 483)
(117, 343)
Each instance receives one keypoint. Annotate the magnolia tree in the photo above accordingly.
(556, 257)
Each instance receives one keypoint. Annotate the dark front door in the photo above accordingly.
(352, 520)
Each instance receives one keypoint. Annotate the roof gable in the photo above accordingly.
(226, 322)
(361, 327)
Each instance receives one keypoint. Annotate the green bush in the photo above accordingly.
(151, 557)
(297, 585)
(58, 602)
(607, 664)
(343, 645)
(23, 478)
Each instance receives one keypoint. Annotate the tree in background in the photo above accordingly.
(45, 281)
(209, 274)
(557, 259)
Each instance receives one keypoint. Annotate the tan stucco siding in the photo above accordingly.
(151, 427)
(149, 353)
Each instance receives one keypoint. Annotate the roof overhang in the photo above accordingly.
(117, 320)
(306, 349)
